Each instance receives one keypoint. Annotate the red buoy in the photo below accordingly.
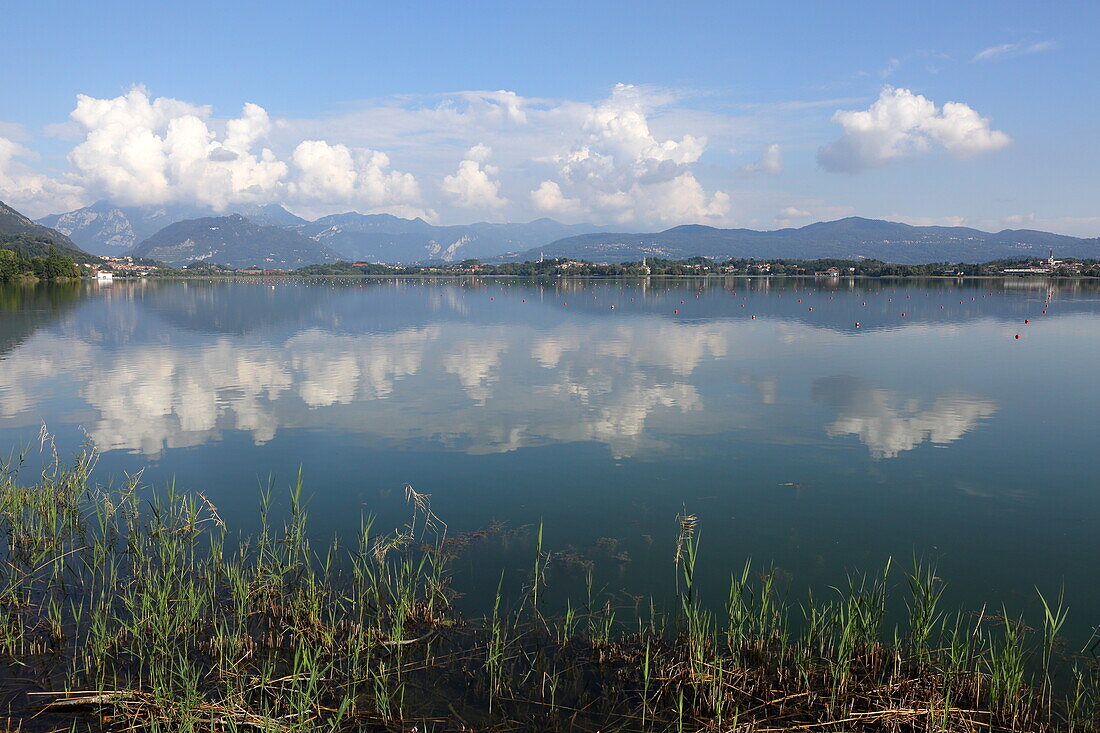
(1017, 335)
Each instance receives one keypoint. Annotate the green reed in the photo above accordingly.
(140, 610)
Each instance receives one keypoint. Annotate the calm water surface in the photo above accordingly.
(819, 426)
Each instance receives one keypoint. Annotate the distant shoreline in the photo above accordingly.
(705, 276)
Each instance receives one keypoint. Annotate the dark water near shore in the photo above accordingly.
(604, 409)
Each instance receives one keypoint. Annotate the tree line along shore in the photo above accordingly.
(559, 267)
(26, 258)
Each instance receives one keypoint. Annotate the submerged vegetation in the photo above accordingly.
(131, 609)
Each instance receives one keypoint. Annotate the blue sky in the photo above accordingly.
(643, 115)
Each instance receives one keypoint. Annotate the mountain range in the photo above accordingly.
(272, 237)
(106, 229)
(853, 238)
(385, 238)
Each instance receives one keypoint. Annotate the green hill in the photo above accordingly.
(22, 235)
(233, 240)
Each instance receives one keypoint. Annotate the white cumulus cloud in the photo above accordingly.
(472, 186)
(330, 178)
(620, 170)
(548, 199)
(142, 150)
(138, 149)
(902, 123)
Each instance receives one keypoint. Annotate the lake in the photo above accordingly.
(820, 426)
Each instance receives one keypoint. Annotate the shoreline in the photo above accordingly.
(457, 276)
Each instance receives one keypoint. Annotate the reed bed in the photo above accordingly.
(132, 609)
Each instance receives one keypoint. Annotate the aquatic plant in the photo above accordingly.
(130, 608)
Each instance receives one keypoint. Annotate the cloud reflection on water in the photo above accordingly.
(888, 422)
(480, 389)
(646, 385)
